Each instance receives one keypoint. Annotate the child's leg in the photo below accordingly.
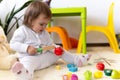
(24, 69)
(20, 72)
(47, 59)
(75, 59)
(31, 63)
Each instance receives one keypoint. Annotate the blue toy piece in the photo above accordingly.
(72, 67)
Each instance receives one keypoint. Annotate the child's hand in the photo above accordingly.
(31, 50)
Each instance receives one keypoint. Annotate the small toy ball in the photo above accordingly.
(98, 74)
(108, 72)
(74, 77)
(100, 66)
(58, 51)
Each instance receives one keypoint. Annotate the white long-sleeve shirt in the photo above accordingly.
(25, 36)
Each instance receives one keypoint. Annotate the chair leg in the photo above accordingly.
(79, 48)
(63, 36)
(113, 43)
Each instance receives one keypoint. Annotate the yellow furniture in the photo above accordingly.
(108, 30)
(73, 11)
(62, 34)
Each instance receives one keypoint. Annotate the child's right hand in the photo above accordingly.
(31, 50)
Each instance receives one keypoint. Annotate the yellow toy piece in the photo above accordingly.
(69, 74)
(58, 67)
(98, 74)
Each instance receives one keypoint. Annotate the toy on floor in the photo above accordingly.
(87, 75)
(74, 77)
(69, 74)
(58, 67)
(72, 67)
(7, 56)
(98, 74)
(57, 50)
(115, 74)
(65, 77)
(100, 66)
(108, 72)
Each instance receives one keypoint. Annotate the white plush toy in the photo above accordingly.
(7, 58)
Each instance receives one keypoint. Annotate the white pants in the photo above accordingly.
(44, 60)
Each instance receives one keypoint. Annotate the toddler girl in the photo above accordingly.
(32, 35)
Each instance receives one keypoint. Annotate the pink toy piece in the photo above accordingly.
(58, 51)
(74, 77)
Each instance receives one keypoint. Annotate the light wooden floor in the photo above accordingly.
(51, 73)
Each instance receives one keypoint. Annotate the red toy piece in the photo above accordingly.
(100, 66)
(58, 51)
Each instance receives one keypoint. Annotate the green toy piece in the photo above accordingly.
(108, 72)
(39, 50)
(88, 75)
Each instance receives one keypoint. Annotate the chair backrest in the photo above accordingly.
(110, 17)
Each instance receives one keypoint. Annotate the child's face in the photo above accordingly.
(40, 23)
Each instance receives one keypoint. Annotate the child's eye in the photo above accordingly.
(41, 24)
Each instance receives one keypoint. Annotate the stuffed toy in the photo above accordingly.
(7, 55)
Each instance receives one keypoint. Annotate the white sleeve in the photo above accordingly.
(17, 40)
(49, 40)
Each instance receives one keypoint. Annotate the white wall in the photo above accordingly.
(97, 11)
(96, 15)
(6, 6)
